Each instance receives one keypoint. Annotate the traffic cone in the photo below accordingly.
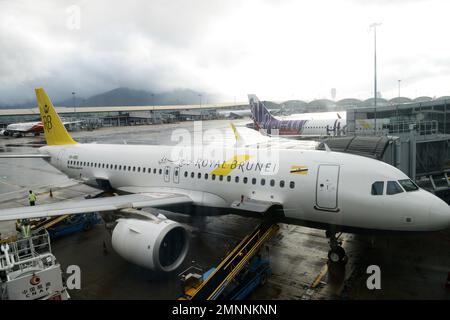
(447, 284)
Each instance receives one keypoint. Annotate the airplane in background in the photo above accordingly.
(306, 127)
(328, 190)
(23, 128)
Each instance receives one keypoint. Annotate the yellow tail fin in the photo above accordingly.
(54, 130)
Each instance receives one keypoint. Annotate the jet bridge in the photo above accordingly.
(212, 287)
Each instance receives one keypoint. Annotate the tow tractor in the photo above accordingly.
(29, 270)
(246, 267)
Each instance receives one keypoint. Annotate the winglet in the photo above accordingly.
(54, 130)
(239, 140)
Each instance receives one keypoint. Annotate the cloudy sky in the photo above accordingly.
(277, 49)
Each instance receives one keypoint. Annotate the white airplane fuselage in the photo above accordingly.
(327, 188)
(23, 128)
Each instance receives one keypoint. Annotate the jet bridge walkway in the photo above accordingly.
(234, 262)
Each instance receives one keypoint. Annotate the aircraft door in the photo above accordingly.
(327, 187)
(167, 174)
(176, 175)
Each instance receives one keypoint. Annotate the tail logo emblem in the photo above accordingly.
(46, 108)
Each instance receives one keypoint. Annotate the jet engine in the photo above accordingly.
(157, 244)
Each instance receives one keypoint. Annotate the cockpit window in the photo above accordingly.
(393, 188)
(377, 188)
(408, 185)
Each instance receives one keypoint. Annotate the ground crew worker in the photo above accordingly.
(31, 198)
(26, 228)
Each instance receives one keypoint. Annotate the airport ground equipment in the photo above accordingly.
(29, 270)
(72, 224)
(60, 226)
(239, 273)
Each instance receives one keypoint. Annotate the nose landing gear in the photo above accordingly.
(336, 253)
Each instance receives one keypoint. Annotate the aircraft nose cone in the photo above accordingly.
(440, 214)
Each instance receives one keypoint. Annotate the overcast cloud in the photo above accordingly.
(277, 49)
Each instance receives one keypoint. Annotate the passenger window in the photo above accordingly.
(292, 184)
(236, 179)
(115, 167)
(120, 167)
(272, 183)
(154, 171)
(213, 177)
(143, 170)
(377, 188)
(134, 169)
(160, 171)
(192, 174)
(139, 169)
(185, 174)
(244, 180)
(393, 188)
(282, 184)
(129, 168)
(408, 185)
(221, 177)
(206, 176)
(263, 182)
(254, 181)
(149, 170)
(229, 178)
(199, 175)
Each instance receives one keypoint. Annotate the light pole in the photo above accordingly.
(399, 87)
(374, 26)
(73, 98)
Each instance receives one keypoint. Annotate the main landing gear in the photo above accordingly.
(336, 253)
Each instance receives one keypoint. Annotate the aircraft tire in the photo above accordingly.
(336, 254)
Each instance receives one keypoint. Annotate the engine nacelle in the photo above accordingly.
(159, 244)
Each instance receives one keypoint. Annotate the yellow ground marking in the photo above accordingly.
(322, 273)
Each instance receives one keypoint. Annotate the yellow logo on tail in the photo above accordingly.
(54, 130)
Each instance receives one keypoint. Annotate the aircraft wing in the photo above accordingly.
(136, 201)
(17, 130)
(72, 122)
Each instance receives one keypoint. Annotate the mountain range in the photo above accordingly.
(132, 97)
